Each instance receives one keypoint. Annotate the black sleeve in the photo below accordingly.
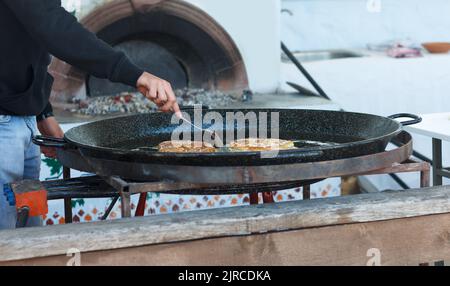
(47, 112)
(57, 30)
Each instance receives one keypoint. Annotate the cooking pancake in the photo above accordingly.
(261, 144)
(186, 146)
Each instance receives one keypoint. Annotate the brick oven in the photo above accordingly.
(213, 45)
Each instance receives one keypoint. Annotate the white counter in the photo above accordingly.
(435, 125)
(381, 85)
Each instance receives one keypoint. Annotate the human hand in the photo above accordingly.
(50, 127)
(159, 91)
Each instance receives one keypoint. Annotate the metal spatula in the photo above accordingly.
(213, 134)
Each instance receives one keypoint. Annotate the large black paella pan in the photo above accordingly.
(319, 135)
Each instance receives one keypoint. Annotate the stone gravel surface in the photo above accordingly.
(137, 103)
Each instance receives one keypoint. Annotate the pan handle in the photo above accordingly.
(46, 141)
(415, 118)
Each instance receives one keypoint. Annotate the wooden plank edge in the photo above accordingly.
(86, 237)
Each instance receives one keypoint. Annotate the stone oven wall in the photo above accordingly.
(180, 32)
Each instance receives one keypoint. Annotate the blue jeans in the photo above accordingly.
(19, 159)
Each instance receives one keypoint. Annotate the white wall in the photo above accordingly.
(328, 24)
(254, 25)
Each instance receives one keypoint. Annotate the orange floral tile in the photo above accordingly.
(88, 217)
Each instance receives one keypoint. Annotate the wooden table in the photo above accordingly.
(436, 126)
(408, 227)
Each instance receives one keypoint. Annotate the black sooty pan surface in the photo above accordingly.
(326, 135)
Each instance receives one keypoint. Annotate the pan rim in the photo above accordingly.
(118, 151)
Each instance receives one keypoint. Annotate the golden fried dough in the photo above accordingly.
(185, 146)
(261, 144)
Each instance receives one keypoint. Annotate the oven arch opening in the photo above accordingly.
(203, 53)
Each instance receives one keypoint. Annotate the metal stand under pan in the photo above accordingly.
(247, 179)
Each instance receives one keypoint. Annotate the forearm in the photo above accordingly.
(61, 34)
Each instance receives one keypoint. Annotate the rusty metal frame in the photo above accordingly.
(68, 215)
(127, 189)
(439, 171)
(382, 163)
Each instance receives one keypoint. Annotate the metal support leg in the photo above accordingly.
(124, 190)
(125, 202)
(140, 209)
(437, 162)
(254, 198)
(268, 197)
(67, 201)
(307, 192)
(425, 178)
(110, 208)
